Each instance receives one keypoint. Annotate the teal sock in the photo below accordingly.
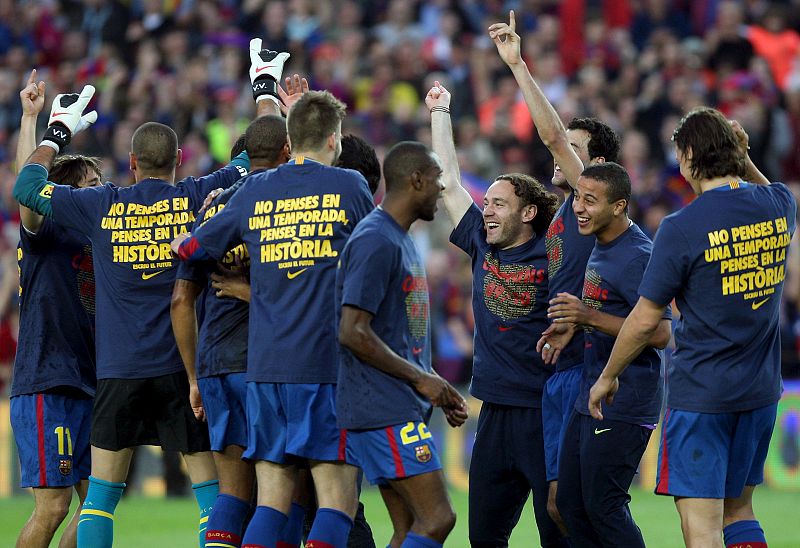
(206, 494)
(96, 524)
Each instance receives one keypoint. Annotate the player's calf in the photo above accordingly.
(51, 508)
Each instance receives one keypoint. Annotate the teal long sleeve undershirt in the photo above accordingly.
(33, 190)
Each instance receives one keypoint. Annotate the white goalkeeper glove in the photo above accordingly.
(266, 68)
(67, 118)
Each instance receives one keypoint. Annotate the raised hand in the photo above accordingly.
(67, 117)
(507, 40)
(266, 68)
(295, 88)
(437, 96)
(32, 96)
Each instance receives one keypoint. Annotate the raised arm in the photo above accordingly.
(266, 67)
(753, 174)
(456, 198)
(32, 100)
(548, 124)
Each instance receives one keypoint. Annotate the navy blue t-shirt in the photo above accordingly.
(723, 259)
(381, 272)
(611, 285)
(223, 333)
(56, 321)
(131, 229)
(294, 221)
(509, 301)
(567, 253)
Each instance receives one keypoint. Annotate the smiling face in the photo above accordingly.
(506, 220)
(592, 207)
(579, 140)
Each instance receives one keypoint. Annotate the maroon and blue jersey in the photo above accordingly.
(509, 301)
(567, 253)
(381, 272)
(294, 221)
(57, 300)
(223, 333)
(611, 285)
(130, 229)
(723, 259)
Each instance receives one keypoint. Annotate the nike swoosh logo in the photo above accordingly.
(596, 431)
(758, 305)
(57, 114)
(504, 328)
(259, 69)
(293, 275)
(148, 275)
(416, 351)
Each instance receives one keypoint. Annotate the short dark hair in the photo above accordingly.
(603, 141)
(715, 149)
(313, 118)
(402, 160)
(70, 169)
(155, 147)
(238, 147)
(359, 155)
(533, 192)
(265, 138)
(615, 178)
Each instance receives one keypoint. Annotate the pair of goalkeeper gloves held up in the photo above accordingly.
(67, 117)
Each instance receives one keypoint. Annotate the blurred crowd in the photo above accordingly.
(636, 64)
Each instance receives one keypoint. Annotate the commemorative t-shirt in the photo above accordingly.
(381, 272)
(723, 259)
(611, 285)
(223, 333)
(567, 253)
(56, 299)
(131, 229)
(294, 221)
(509, 301)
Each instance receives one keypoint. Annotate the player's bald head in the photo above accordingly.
(402, 160)
(155, 147)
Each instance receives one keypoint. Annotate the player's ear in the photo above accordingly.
(529, 213)
(332, 141)
(416, 179)
(132, 161)
(286, 152)
(179, 158)
(620, 207)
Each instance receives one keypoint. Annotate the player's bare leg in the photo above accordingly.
(236, 477)
(552, 509)
(740, 508)
(701, 522)
(200, 466)
(399, 513)
(111, 465)
(51, 506)
(335, 485)
(275, 485)
(427, 498)
(69, 538)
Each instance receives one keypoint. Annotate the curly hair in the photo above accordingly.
(533, 192)
(603, 142)
(715, 149)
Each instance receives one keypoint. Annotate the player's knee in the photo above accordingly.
(437, 525)
(51, 512)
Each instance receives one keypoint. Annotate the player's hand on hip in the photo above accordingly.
(32, 96)
(438, 96)
(603, 390)
(507, 40)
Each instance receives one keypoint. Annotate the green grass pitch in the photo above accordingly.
(171, 523)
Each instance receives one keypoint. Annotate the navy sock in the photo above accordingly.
(330, 529)
(740, 534)
(265, 528)
(226, 522)
(292, 534)
(96, 524)
(417, 541)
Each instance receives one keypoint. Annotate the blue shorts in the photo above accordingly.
(713, 455)
(558, 401)
(292, 420)
(394, 452)
(52, 434)
(225, 403)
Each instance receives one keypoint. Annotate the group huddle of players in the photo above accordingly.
(278, 335)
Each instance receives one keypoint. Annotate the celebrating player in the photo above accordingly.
(294, 221)
(142, 393)
(509, 300)
(599, 459)
(386, 384)
(54, 371)
(584, 142)
(722, 259)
